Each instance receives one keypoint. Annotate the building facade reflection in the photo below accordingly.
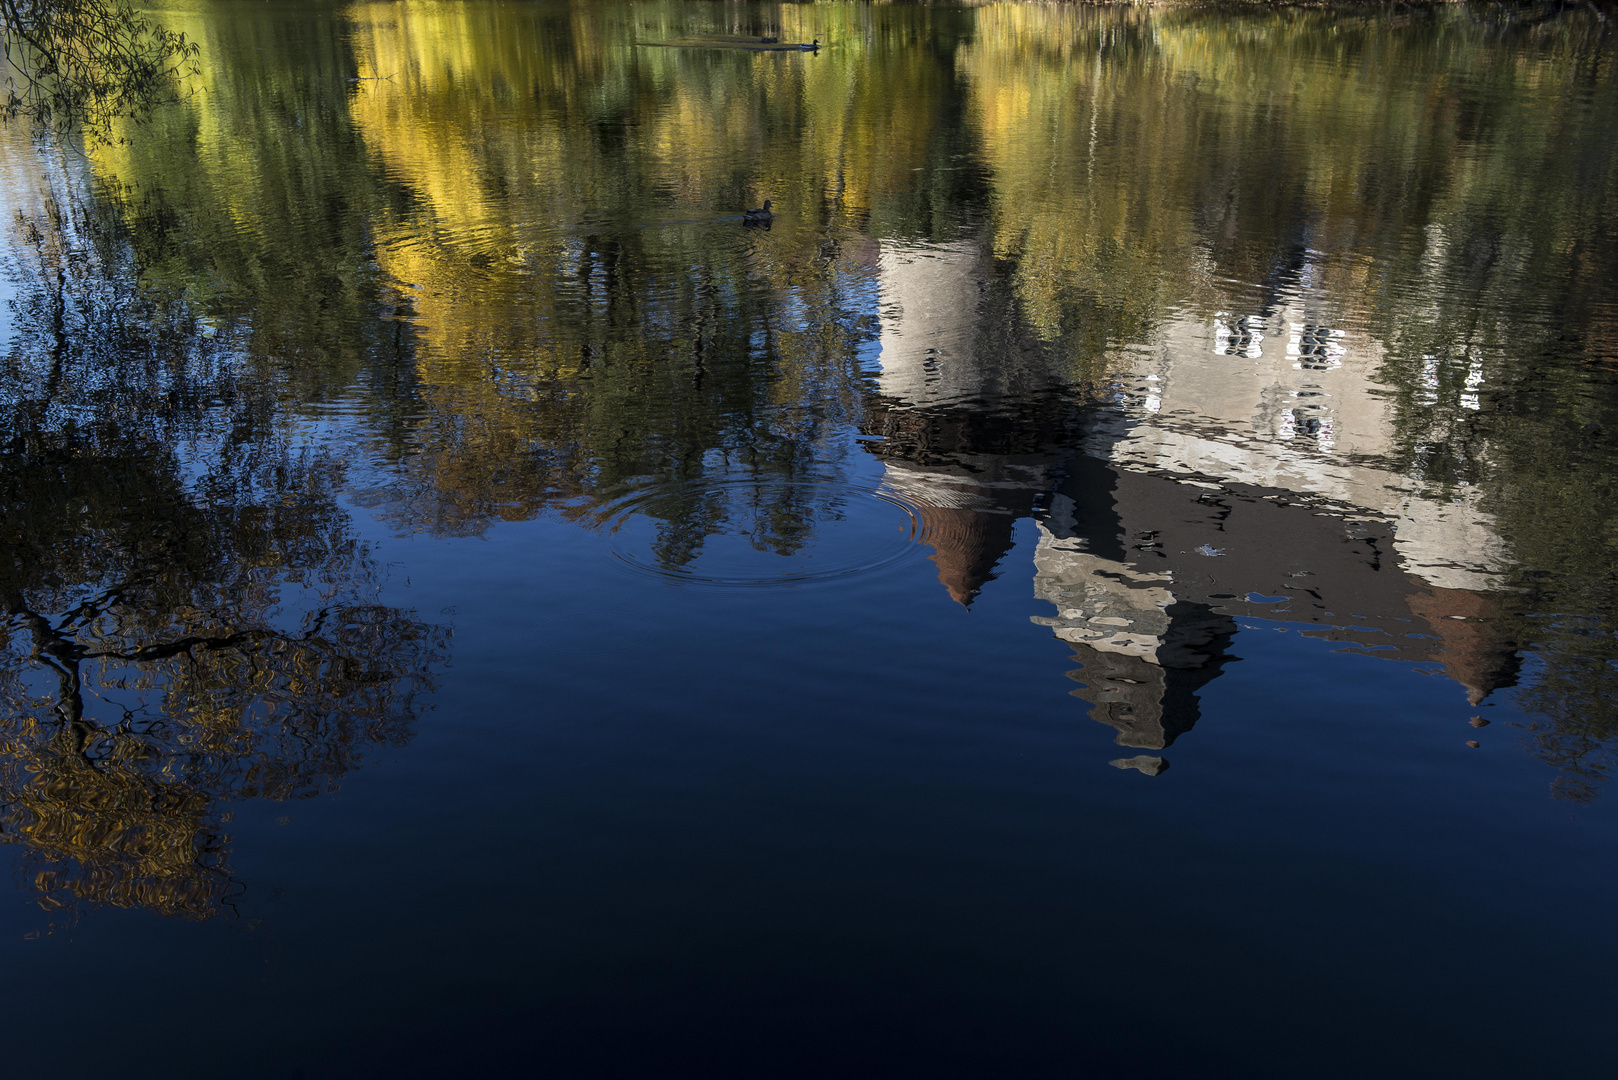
(1173, 496)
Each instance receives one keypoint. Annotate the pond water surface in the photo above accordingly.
(472, 599)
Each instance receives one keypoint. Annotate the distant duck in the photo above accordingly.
(758, 217)
(768, 40)
(811, 48)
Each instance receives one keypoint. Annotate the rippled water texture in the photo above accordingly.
(1115, 578)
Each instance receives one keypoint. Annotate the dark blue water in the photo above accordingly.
(1061, 607)
(864, 829)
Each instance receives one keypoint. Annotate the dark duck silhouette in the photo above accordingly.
(768, 40)
(758, 217)
(811, 48)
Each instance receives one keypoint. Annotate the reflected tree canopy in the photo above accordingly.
(190, 621)
(86, 63)
(499, 245)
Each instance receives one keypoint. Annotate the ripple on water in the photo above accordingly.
(753, 533)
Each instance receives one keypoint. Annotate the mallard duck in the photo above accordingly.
(811, 48)
(757, 217)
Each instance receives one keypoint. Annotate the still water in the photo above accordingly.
(471, 599)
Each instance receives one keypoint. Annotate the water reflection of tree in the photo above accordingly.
(575, 349)
(1427, 203)
(582, 325)
(254, 199)
(678, 378)
(187, 614)
(1132, 162)
(1520, 402)
(86, 63)
(1502, 366)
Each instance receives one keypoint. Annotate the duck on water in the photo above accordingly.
(758, 217)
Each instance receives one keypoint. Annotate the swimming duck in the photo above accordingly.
(811, 48)
(768, 40)
(757, 217)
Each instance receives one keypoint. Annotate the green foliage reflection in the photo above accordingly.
(512, 227)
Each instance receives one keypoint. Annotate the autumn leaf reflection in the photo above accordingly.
(189, 620)
(1077, 193)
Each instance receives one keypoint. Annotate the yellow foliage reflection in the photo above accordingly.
(517, 228)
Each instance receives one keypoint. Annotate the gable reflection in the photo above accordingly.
(1168, 502)
(1148, 572)
(1143, 653)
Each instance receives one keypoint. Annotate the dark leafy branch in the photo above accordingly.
(86, 63)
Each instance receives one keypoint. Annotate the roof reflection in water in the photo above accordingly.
(1185, 494)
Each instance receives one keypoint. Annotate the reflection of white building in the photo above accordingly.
(1238, 336)
(1307, 421)
(1100, 602)
(935, 367)
(942, 341)
(1238, 471)
(929, 306)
